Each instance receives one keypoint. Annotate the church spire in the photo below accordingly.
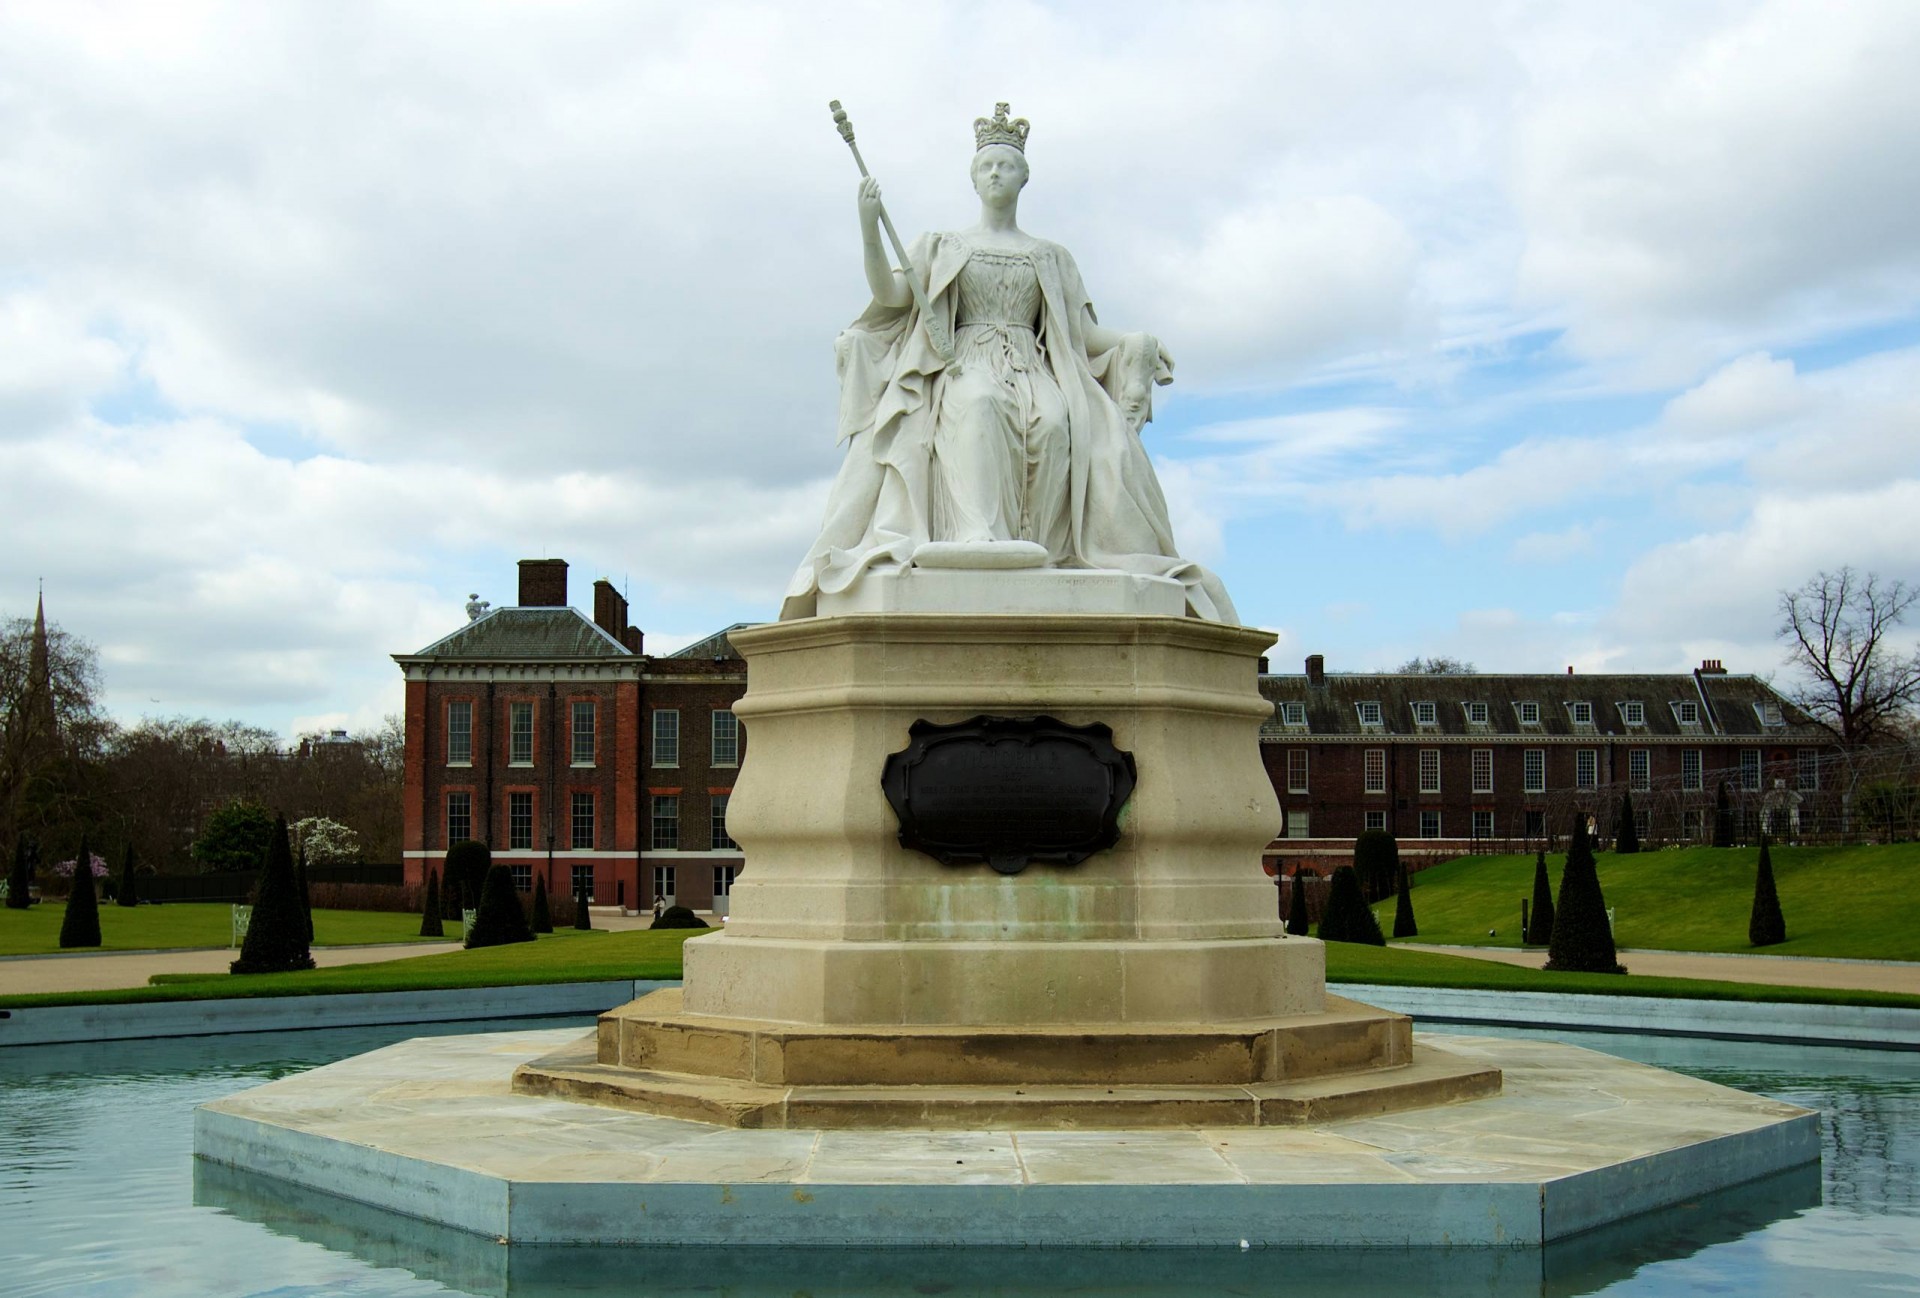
(40, 677)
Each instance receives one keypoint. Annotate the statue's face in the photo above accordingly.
(999, 172)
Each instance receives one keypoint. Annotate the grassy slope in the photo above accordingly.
(1854, 902)
(36, 931)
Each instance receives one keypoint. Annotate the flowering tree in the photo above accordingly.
(324, 841)
(65, 868)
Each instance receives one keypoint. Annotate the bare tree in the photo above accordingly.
(1437, 665)
(1855, 684)
(51, 727)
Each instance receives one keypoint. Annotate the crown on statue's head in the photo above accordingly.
(998, 130)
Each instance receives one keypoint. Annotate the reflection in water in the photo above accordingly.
(99, 1195)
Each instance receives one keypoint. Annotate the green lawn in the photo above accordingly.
(36, 931)
(569, 955)
(1854, 902)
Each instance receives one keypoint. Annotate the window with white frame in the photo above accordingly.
(520, 734)
(1369, 713)
(1425, 714)
(1374, 820)
(580, 835)
(723, 877)
(1749, 768)
(522, 877)
(664, 884)
(1296, 822)
(1580, 713)
(460, 733)
(1586, 768)
(1633, 712)
(1533, 770)
(1429, 824)
(585, 722)
(1686, 712)
(1375, 765)
(1483, 770)
(582, 881)
(717, 823)
(1483, 824)
(1690, 769)
(1293, 714)
(1536, 823)
(519, 821)
(666, 822)
(1808, 769)
(1296, 770)
(1639, 769)
(726, 738)
(459, 817)
(1528, 713)
(1429, 770)
(666, 737)
(1476, 713)
(1770, 715)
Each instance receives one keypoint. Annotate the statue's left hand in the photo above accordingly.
(1163, 371)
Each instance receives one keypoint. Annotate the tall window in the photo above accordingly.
(581, 834)
(666, 822)
(585, 723)
(1376, 767)
(666, 737)
(1296, 822)
(663, 884)
(1533, 770)
(520, 734)
(1536, 824)
(519, 820)
(460, 733)
(1296, 770)
(522, 877)
(726, 738)
(1690, 769)
(1639, 770)
(582, 880)
(717, 814)
(723, 877)
(1483, 770)
(1429, 824)
(1809, 769)
(1483, 824)
(1429, 770)
(1374, 820)
(1749, 768)
(1586, 768)
(459, 817)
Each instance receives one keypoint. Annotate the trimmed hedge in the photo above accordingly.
(1297, 905)
(676, 917)
(80, 926)
(542, 912)
(1540, 915)
(1767, 926)
(500, 919)
(1403, 925)
(277, 935)
(1348, 918)
(1376, 859)
(1582, 937)
(431, 924)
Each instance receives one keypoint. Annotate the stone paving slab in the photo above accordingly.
(431, 1128)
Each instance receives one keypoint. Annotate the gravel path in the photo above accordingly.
(1773, 970)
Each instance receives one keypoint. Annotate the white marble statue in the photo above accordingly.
(998, 427)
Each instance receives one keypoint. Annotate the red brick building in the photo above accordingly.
(557, 740)
(1475, 763)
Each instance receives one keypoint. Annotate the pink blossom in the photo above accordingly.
(65, 868)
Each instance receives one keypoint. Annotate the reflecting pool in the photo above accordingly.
(100, 1195)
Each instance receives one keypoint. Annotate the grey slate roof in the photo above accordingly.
(714, 646)
(1724, 705)
(507, 634)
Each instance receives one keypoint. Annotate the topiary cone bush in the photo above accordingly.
(676, 917)
(129, 893)
(1376, 859)
(306, 897)
(80, 926)
(20, 879)
(500, 919)
(582, 917)
(1403, 925)
(1540, 920)
(430, 925)
(1347, 918)
(1767, 926)
(1626, 838)
(1582, 938)
(1297, 905)
(542, 912)
(1722, 817)
(277, 936)
(464, 874)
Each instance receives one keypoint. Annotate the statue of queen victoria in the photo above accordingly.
(997, 425)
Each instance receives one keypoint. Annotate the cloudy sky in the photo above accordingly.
(1538, 335)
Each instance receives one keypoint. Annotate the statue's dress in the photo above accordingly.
(1023, 443)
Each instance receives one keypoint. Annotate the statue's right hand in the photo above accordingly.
(869, 200)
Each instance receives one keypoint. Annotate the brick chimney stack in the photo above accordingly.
(609, 608)
(543, 583)
(1712, 667)
(1316, 669)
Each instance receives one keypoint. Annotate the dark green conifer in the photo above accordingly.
(276, 938)
(542, 912)
(1626, 835)
(1376, 859)
(1722, 817)
(1767, 926)
(1297, 905)
(80, 926)
(1540, 918)
(306, 898)
(499, 919)
(465, 872)
(582, 917)
(1582, 939)
(1403, 925)
(129, 894)
(430, 925)
(1347, 917)
(20, 880)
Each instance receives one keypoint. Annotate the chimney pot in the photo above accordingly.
(543, 583)
(1316, 669)
(609, 609)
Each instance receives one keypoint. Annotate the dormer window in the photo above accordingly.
(1476, 713)
(1769, 714)
(1293, 714)
(1634, 712)
(1687, 713)
(1425, 714)
(1582, 713)
(1369, 713)
(1529, 713)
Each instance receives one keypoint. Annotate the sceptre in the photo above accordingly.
(941, 342)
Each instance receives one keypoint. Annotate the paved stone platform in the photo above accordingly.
(432, 1129)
